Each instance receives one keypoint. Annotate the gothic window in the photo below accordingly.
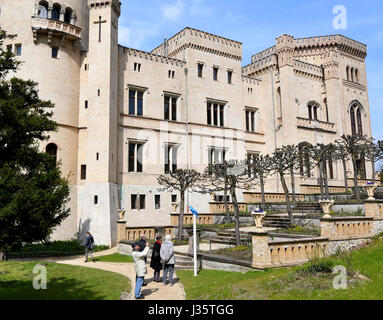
(251, 120)
(135, 157)
(56, 12)
(51, 149)
(352, 115)
(357, 75)
(200, 70)
(361, 167)
(68, 15)
(352, 74)
(325, 103)
(313, 111)
(359, 120)
(348, 73)
(42, 11)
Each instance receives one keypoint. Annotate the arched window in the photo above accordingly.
(325, 103)
(68, 15)
(357, 75)
(359, 120)
(56, 12)
(313, 110)
(348, 73)
(352, 74)
(43, 10)
(304, 159)
(353, 124)
(51, 149)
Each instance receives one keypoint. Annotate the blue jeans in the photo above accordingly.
(139, 283)
(170, 268)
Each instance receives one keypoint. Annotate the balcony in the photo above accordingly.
(54, 27)
(316, 125)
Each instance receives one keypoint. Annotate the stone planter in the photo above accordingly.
(326, 207)
(121, 214)
(370, 189)
(174, 206)
(258, 218)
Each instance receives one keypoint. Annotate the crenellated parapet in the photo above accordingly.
(115, 4)
(306, 69)
(285, 50)
(260, 66)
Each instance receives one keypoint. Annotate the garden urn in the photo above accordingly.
(370, 189)
(326, 207)
(258, 216)
(121, 214)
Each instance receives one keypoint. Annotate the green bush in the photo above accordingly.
(320, 266)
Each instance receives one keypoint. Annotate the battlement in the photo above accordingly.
(152, 56)
(116, 5)
(200, 40)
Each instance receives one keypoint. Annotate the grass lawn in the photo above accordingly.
(63, 283)
(115, 257)
(295, 283)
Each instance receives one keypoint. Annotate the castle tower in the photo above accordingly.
(51, 37)
(98, 196)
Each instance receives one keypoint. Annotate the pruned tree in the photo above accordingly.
(182, 180)
(236, 177)
(354, 145)
(373, 153)
(260, 166)
(281, 167)
(33, 194)
(341, 154)
(292, 161)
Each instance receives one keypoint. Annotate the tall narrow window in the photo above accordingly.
(251, 120)
(95, 201)
(157, 201)
(348, 73)
(68, 15)
(315, 109)
(174, 109)
(51, 149)
(357, 75)
(135, 157)
(310, 108)
(132, 102)
(330, 168)
(359, 120)
(200, 70)
(209, 113)
(230, 77)
(86, 104)
(83, 172)
(18, 50)
(215, 114)
(352, 74)
(142, 202)
(166, 107)
(43, 10)
(133, 201)
(247, 113)
(216, 155)
(215, 74)
(56, 12)
(170, 158)
(353, 124)
(55, 53)
(140, 96)
(221, 116)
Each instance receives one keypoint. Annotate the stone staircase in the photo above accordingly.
(228, 237)
(307, 207)
(183, 261)
(276, 221)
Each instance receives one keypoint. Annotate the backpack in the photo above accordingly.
(92, 243)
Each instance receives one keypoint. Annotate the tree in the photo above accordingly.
(182, 180)
(354, 146)
(292, 161)
(281, 166)
(33, 193)
(342, 154)
(236, 177)
(373, 153)
(261, 166)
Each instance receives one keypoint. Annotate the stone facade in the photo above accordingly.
(111, 99)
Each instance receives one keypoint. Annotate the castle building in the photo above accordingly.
(127, 116)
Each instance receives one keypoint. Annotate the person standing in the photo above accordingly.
(142, 242)
(140, 268)
(155, 262)
(168, 259)
(89, 246)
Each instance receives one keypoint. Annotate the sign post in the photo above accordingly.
(195, 216)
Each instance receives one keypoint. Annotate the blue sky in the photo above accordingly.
(144, 24)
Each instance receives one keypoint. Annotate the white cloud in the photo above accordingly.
(174, 11)
(199, 8)
(138, 35)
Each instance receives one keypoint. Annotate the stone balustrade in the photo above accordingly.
(309, 189)
(72, 31)
(219, 207)
(341, 228)
(204, 218)
(125, 233)
(316, 125)
(256, 197)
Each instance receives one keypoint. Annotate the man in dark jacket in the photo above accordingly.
(89, 245)
(155, 262)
